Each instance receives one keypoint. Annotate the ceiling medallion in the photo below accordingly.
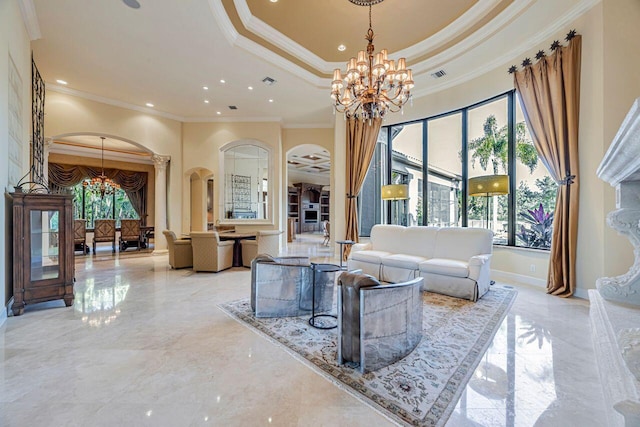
(372, 85)
(366, 2)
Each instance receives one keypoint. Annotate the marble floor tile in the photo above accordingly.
(147, 345)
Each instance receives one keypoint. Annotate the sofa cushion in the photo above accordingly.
(409, 262)
(419, 241)
(374, 257)
(446, 267)
(388, 238)
(462, 243)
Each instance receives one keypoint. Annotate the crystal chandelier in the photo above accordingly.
(372, 85)
(101, 184)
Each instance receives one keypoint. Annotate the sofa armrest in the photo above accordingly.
(182, 242)
(479, 265)
(361, 247)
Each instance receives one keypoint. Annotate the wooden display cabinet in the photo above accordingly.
(43, 259)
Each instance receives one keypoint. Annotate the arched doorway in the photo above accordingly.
(308, 192)
(73, 158)
(200, 190)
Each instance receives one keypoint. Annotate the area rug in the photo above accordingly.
(424, 387)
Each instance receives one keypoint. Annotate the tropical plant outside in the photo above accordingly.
(491, 151)
(540, 226)
(97, 207)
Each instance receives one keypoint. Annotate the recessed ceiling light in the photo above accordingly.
(271, 100)
(62, 82)
(206, 101)
(342, 48)
(133, 4)
(250, 88)
(148, 104)
(274, 1)
(222, 81)
(218, 112)
(205, 87)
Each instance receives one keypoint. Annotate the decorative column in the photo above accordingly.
(160, 222)
(615, 306)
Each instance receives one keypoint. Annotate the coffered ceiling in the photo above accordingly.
(165, 52)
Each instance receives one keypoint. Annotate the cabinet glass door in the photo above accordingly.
(45, 244)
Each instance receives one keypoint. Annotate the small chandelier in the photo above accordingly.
(101, 184)
(372, 85)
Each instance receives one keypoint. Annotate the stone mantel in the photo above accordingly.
(622, 160)
(620, 167)
(615, 306)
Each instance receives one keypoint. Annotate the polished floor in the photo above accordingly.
(145, 345)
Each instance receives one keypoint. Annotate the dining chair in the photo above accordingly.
(266, 242)
(104, 230)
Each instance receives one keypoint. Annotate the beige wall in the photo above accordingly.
(609, 84)
(621, 61)
(14, 43)
(201, 147)
(66, 159)
(67, 114)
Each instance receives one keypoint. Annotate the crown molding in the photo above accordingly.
(277, 120)
(499, 22)
(238, 40)
(30, 19)
(150, 111)
(533, 43)
(113, 102)
(96, 153)
(270, 34)
(464, 21)
(309, 126)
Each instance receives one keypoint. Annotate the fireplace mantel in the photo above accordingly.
(615, 306)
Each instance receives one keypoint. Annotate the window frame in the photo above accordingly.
(511, 165)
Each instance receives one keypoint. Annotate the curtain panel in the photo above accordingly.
(549, 92)
(362, 137)
(133, 183)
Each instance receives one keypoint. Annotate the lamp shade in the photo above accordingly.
(489, 185)
(395, 192)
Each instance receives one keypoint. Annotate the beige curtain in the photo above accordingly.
(550, 95)
(361, 143)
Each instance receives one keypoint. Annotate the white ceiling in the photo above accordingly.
(166, 51)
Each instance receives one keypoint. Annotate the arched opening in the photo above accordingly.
(200, 190)
(308, 177)
(74, 160)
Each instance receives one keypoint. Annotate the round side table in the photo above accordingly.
(342, 243)
(321, 268)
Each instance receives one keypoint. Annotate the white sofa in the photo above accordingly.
(453, 261)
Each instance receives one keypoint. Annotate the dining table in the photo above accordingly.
(236, 236)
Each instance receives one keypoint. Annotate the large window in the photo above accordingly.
(444, 142)
(90, 206)
(488, 155)
(487, 140)
(535, 192)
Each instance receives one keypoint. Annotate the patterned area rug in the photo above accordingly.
(424, 387)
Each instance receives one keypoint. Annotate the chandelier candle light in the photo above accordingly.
(101, 184)
(373, 84)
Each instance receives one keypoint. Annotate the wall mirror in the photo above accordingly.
(246, 167)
